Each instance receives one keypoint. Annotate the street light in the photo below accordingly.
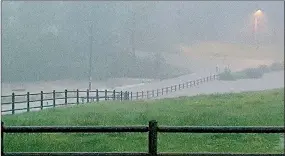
(257, 16)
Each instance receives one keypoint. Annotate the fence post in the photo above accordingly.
(147, 94)
(137, 95)
(87, 95)
(28, 101)
(53, 94)
(65, 97)
(106, 94)
(179, 86)
(114, 94)
(2, 138)
(42, 100)
(131, 95)
(157, 92)
(152, 138)
(77, 96)
(126, 95)
(162, 91)
(121, 95)
(97, 95)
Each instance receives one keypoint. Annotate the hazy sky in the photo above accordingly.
(39, 35)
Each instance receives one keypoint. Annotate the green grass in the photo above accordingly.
(265, 108)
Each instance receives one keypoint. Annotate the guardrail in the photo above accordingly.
(33, 101)
(152, 129)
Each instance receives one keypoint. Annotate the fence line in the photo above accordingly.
(32, 101)
(152, 129)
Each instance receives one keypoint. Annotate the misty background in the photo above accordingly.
(51, 40)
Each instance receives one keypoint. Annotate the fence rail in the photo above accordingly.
(32, 101)
(152, 129)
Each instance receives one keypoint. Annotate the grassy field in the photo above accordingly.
(265, 108)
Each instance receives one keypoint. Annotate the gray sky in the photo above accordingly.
(40, 35)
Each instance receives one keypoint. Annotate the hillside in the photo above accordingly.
(263, 108)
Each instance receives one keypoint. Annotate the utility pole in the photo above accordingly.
(90, 58)
(133, 33)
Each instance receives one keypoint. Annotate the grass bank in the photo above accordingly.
(264, 108)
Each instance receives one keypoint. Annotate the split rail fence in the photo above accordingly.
(152, 129)
(38, 101)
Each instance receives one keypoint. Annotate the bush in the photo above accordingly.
(276, 66)
(226, 75)
(264, 68)
(254, 73)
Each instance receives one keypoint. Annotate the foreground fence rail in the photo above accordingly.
(152, 129)
(39, 101)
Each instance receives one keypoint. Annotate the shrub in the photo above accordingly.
(226, 75)
(264, 68)
(253, 73)
(277, 66)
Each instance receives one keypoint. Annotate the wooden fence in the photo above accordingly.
(152, 129)
(35, 101)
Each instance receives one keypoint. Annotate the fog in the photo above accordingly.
(48, 42)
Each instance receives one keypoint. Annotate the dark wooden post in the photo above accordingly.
(137, 95)
(179, 86)
(87, 95)
(2, 138)
(142, 94)
(65, 97)
(77, 96)
(157, 92)
(125, 95)
(162, 91)
(42, 100)
(131, 95)
(28, 101)
(97, 95)
(53, 94)
(152, 138)
(121, 95)
(106, 94)
(114, 94)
